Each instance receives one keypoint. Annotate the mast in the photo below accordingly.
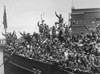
(72, 5)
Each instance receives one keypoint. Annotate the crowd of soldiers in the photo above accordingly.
(56, 45)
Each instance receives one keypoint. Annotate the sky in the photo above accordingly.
(23, 15)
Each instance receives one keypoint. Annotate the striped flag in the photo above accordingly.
(5, 18)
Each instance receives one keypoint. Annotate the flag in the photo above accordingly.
(5, 18)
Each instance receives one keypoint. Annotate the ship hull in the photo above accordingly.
(16, 64)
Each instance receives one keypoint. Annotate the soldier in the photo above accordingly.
(60, 19)
(41, 26)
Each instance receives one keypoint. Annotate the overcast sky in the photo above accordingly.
(23, 15)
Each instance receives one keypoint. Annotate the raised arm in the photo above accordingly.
(56, 14)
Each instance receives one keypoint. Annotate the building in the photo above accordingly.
(84, 19)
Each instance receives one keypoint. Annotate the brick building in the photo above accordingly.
(83, 19)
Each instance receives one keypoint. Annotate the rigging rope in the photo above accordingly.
(2, 64)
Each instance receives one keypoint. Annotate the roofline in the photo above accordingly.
(84, 8)
(82, 11)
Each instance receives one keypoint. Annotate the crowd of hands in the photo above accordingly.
(56, 45)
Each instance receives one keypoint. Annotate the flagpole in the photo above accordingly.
(5, 21)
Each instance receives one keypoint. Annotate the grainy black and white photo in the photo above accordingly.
(49, 36)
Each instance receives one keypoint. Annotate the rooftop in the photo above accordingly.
(82, 11)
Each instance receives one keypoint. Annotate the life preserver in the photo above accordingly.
(6, 57)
